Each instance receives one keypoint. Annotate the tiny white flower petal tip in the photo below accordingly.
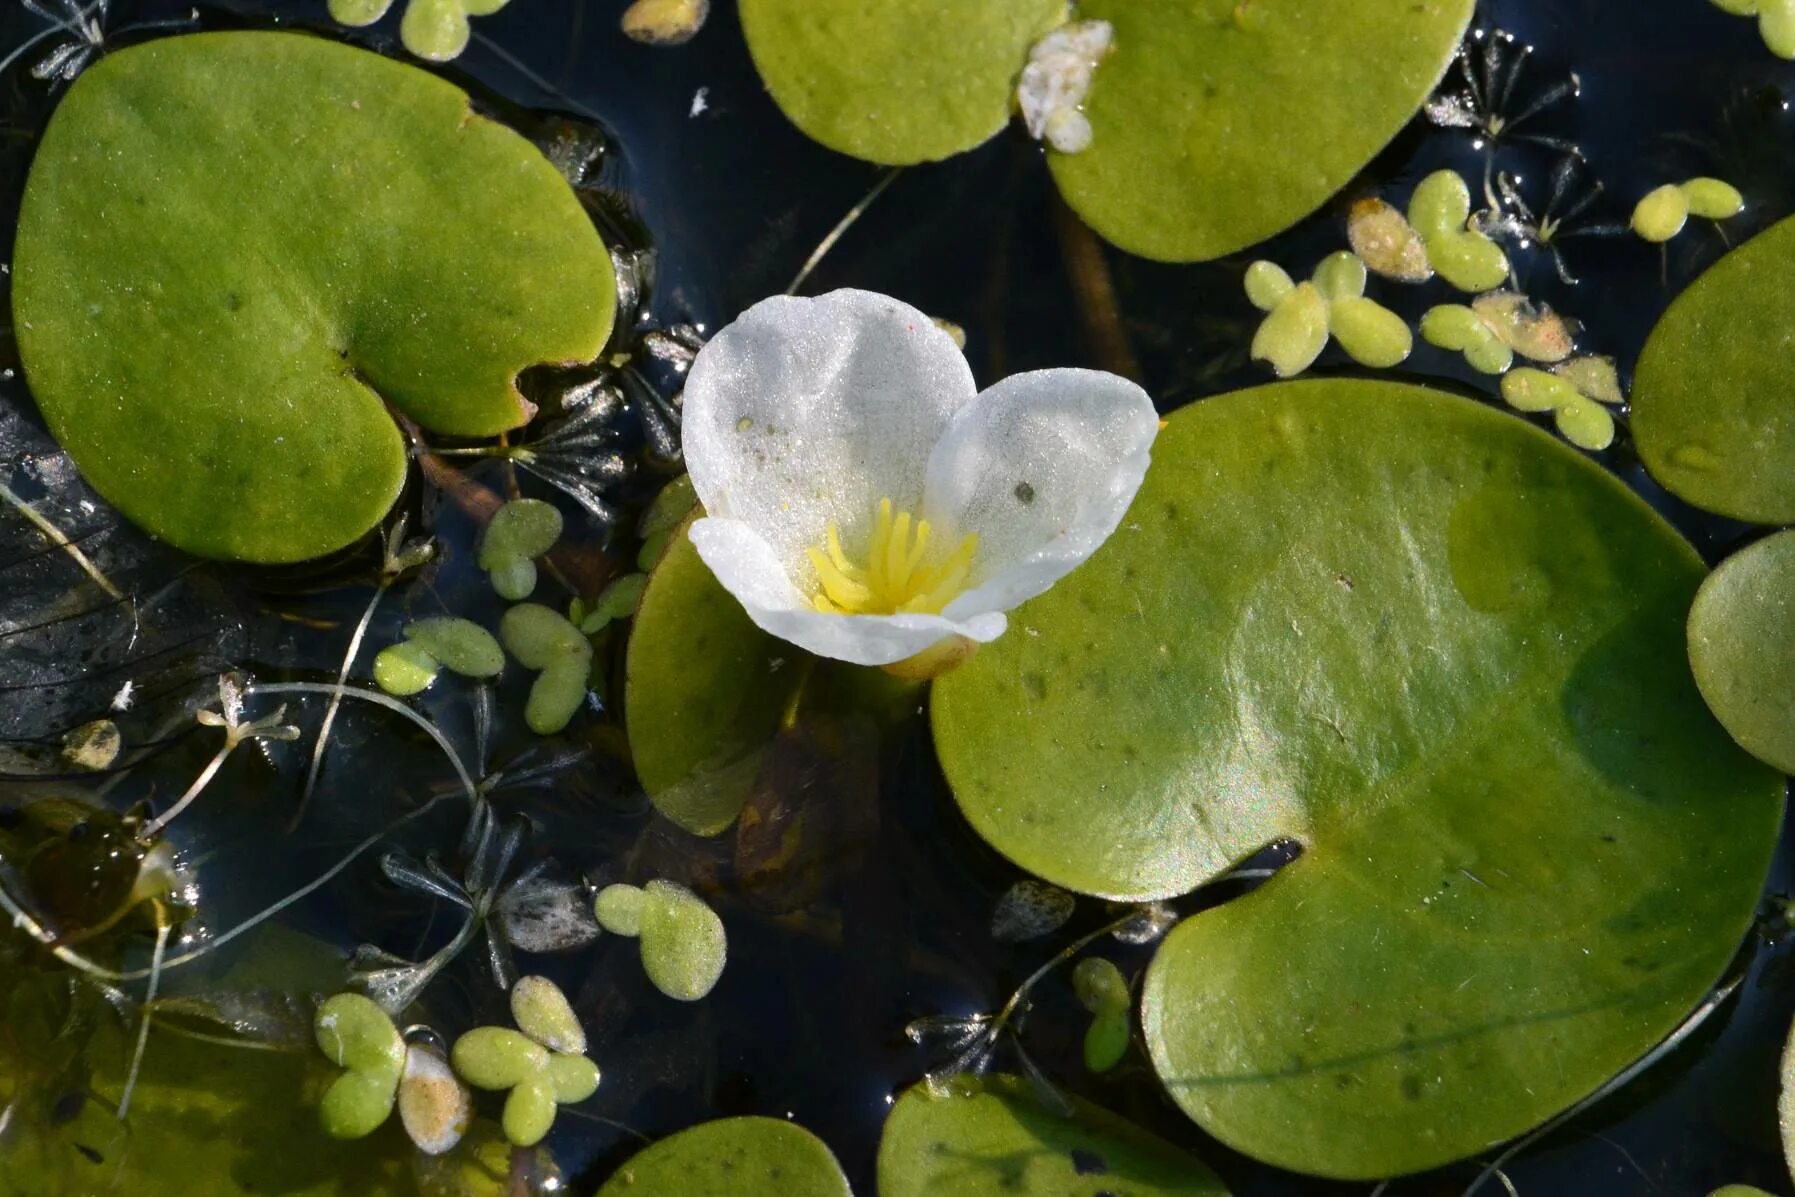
(867, 503)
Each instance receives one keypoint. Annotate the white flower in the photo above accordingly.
(865, 502)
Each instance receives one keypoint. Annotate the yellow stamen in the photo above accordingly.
(894, 578)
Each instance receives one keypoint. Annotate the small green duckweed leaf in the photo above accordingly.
(356, 1034)
(662, 519)
(1713, 199)
(684, 947)
(1738, 8)
(358, 1103)
(1340, 276)
(1295, 99)
(1532, 330)
(557, 694)
(901, 81)
(1295, 333)
(460, 644)
(1440, 211)
(1099, 984)
(357, 13)
(989, 1137)
(1455, 326)
(732, 1157)
(497, 1057)
(540, 636)
(1268, 285)
(1386, 242)
(1594, 376)
(521, 530)
(530, 1109)
(1776, 25)
(1662, 214)
(1370, 333)
(1524, 723)
(302, 309)
(700, 722)
(1742, 647)
(404, 669)
(1586, 424)
(434, 1106)
(513, 581)
(1740, 1191)
(1106, 1040)
(618, 909)
(1529, 390)
(1713, 407)
(543, 1012)
(574, 1078)
(617, 601)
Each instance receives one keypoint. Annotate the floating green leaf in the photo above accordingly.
(1440, 650)
(1216, 124)
(216, 301)
(1742, 647)
(683, 944)
(733, 1157)
(990, 1138)
(1440, 211)
(900, 81)
(704, 693)
(1713, 401)
(461, 644)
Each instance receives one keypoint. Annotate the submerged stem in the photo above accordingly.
(57, 537)
(841, 228)
(143, 1019)
(155, 826)
(336, 702)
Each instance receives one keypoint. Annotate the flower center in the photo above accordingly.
(894, 578)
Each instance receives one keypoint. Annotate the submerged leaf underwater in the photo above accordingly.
(802, 924)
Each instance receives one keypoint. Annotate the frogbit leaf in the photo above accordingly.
(341, 234)
(1742, 647)
(733, 1157)
(1440, 650)
(1713, 403)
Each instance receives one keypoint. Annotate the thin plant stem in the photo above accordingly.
(155, 826)
(841, 228)
(61, 541)
(392, 704)
(1087, 269)
(336, 703)
(143, 1019)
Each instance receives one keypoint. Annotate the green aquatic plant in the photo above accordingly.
(542, 1065)
(544, 640)
(1300, 317)
(1582, 419)
(1742, 647)
(1711, 414)
(359, 1038)
(1527, 725)
(1103, 990)
(268, 197)
(1560, 219)
(1776, 21)
(1663, 212)
(1494, 328)
(459, 645)
(1463, 255)
(518, 533)
(237, 732)
(684, 947)
(733, 1157)
(1489, 102)
(909, 81)
(617, 601)
(435, 30)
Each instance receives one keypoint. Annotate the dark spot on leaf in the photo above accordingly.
(92, 1155)
(1024, 493)
(1088, 1163)
(233, 302)
(1411, 1087)
(68, 1107)
(1036, 685)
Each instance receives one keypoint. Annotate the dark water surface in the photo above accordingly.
(892, 924)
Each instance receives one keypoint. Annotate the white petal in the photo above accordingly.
(1042, 467)
(805, 411)
(749, 568)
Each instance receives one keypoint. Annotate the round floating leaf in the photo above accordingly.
(900, 81)
(1442, 651)
(733, 1157)
(990, 1138)
(683, 944)
(704, 693)
(1742, 645)
(1713, 401)
(215, 301)
(1217, 124)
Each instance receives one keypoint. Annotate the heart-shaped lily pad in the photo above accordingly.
(733, 1157)
(704, 693)
(1216, 124)
(1713, 404)
(1443, 652)
(1742, 646)
(899, 81)
(990, 1137)
(235, 249)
